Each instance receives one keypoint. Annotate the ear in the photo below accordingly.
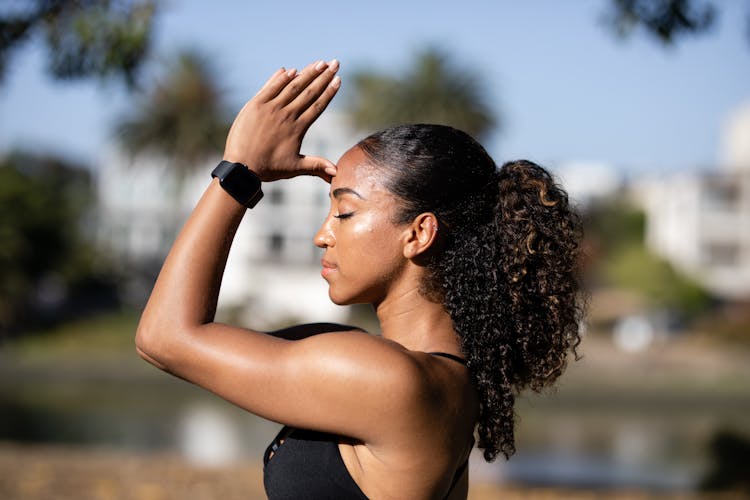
(421, 235)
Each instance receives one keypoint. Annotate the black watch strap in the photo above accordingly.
(240, 182)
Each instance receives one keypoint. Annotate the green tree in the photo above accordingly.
(84, 38)
(42, 201)
(615, 231)
(182, 118)
(434, 91)
(667, 20)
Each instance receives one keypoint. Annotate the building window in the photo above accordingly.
(721, 254)
(276, 196)
(276, 245)
(721, 196)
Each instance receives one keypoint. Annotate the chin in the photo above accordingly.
(345, 300)
(339, 301)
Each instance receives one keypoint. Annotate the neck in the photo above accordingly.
(415, 322)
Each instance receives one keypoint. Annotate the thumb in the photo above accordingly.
(318, 166)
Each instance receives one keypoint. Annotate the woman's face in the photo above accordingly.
(363, 256)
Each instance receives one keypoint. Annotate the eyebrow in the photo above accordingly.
(339, 192)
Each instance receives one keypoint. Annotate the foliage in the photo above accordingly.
(183, 117)
(634, 268)
(84, 38)
(614, 223)
(615, 233)
(434, 91)
(730, 453)
(107, 333)
(665, 19)
(43, 254)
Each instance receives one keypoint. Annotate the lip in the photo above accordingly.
(328, 268)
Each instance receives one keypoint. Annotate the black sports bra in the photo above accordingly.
(307, 464)
(449, 356)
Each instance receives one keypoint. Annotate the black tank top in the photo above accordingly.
(307, 464)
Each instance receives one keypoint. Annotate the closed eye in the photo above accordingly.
(344, 216)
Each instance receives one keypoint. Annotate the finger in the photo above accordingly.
(315, 89)
(300, 82)
(318, 166)
(314, 110)
(271, 79)
(275, 84)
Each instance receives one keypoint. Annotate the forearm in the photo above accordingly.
(187, 289)
(267, 135)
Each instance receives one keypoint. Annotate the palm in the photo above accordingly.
(434, 92)
(183, 118)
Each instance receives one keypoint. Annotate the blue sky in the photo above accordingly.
(566, 88)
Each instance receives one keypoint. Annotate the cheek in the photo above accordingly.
(373, 237)
(362, 226)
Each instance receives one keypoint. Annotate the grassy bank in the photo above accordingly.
(53, 473)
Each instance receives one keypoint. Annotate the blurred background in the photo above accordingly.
(113, 112)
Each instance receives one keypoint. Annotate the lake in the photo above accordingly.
(645, 443)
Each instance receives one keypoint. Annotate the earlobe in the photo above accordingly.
(422, 235)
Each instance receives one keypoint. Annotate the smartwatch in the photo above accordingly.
(240, 182)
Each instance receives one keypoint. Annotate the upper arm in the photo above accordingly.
(347, 383)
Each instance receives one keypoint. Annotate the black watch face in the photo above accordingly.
(241, 184)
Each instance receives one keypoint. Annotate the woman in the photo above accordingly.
(471, 271)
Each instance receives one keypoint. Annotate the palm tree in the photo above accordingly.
(182, 118)
(435, 91)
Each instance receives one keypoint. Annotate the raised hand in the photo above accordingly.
(267, 133)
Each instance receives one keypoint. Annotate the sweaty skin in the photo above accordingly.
(410, 416)
(362, 247)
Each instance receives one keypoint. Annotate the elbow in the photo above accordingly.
(141, 343)
(148, 358)
(149, 345)
(144, 334)
(162, 343)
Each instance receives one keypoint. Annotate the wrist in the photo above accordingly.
(239, 181)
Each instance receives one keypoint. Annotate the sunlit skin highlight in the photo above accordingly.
(408, 417)
(369, 259)
(363, 260)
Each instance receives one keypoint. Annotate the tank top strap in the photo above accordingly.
(449, 356)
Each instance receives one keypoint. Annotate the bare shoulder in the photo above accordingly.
(367, 358)
(382, 370)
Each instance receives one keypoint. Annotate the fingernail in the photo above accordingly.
(291, 72)
(321, 65)
(333, 65)
(330, 171)
(336, 82)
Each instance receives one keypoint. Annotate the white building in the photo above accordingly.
(701, 222)
(587, 182)
(272, 276)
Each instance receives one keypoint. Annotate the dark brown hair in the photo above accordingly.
(505, 267)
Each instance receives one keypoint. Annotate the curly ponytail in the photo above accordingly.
(505, 268)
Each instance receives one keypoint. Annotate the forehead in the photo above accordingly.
(355, 171)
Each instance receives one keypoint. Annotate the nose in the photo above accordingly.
(324, 237)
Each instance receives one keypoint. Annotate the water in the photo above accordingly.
(171, 416)
(627, 444)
